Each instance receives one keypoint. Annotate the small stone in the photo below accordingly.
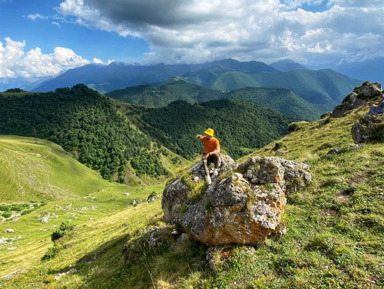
(9, 231)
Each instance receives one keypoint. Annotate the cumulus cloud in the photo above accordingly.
(201, 30)
(15, 62)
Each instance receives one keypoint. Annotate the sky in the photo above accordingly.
(43, 38)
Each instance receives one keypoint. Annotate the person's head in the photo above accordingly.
(209, 132)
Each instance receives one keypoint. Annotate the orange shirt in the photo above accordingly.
(210, 144)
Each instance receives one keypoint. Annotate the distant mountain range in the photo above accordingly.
(371, 70)
(323, 87)
(174, 89)
(106, 78)
(286, 65)
(279, 99)
(118, 75)
(304, 94)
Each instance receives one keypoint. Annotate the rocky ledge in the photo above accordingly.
(359, 97)
(243, 205)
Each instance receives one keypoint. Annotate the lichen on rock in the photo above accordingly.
(243, 205)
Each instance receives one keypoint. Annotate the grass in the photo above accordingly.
(335, 228)
(35, 169)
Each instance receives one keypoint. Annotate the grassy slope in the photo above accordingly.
(335, 229)
(34, 169)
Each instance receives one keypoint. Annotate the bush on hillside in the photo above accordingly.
(64, 229)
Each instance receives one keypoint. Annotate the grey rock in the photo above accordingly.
(177, 192)
(152, 197)
(242, 206)
(136, 202)
(370, 128)
(359, 97)
(340, 150)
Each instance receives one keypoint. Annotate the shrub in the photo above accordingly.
(6, 214)
(51, 253)
(65, 227)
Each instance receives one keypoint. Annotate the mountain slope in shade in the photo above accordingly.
(286, 65)
(169, 91)
(238, 124)
(278, 99)
(323, 87)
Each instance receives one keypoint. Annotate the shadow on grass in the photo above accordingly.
(147, 258)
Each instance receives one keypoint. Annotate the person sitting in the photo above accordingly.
(211, 152)
(377, 108)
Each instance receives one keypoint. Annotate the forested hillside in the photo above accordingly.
(322, 87)
(171, 90)
(278, 99)
(239, 125)
(83, 122)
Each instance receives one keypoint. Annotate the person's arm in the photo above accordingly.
(199, 136)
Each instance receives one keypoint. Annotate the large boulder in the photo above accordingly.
(359, 97)
(243, 205)
(178, 191)
(369, 129)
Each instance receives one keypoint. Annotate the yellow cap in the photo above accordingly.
(209, 132)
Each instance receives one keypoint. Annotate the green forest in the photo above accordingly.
(238, 125)
(84, 123)
(171, 90)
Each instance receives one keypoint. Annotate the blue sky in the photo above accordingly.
(41, 38)
(39, 24)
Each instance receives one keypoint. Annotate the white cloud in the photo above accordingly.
(56, 24)
(33, 17)
(201, 30)
(15, 62)
(99, 61)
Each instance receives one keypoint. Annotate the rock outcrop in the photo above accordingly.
(369, 129)
(359, 97)
(243, 205)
